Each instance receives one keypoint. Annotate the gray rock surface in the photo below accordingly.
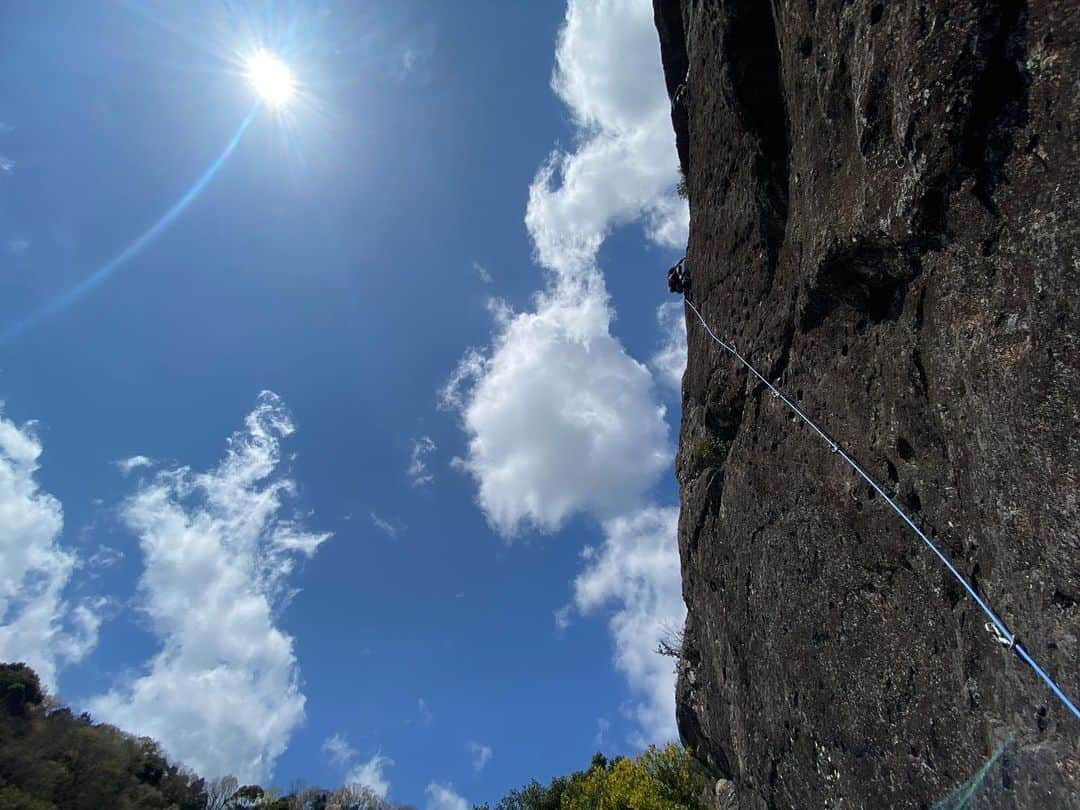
(885, 218)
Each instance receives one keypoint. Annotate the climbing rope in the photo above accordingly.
(995, 626)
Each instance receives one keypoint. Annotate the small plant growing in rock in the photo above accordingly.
(710, 451)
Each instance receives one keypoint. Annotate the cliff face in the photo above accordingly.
(885, 201)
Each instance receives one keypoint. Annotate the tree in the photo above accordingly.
(51, 758)
(219, 792)
(659, 779)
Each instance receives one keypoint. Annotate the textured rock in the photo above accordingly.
(885, 201)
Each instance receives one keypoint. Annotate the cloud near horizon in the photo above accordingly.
(38, 624)
(223, 693)
(637, 572)
(444, 797)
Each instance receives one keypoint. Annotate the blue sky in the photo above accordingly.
(361, 468)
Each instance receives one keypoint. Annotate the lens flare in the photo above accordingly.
(65, 299)
(271, 78)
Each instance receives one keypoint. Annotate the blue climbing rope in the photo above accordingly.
(996, 626)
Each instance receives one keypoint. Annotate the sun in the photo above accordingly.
(271, 78)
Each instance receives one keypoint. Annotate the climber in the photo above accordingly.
(680, 96)
(678, 280)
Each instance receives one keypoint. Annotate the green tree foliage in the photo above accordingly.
(50, 758)
(659, 779)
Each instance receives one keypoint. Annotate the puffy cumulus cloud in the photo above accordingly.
(37, 624)
(370, 775)
(223, 694)
(443, 797)
(624, 169)
(637, 571)
(669, 362)
(561, 418)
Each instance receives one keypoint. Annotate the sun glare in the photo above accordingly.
(271, 78)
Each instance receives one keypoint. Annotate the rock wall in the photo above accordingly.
(885, 217)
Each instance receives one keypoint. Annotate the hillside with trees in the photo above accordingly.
(51, 758)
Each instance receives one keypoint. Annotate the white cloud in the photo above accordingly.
(370, 774)
(337, 746)
(223, 694)
(367, 774)
(443, 797)
(391, 530)
(481, 755)
(17, 245)
(424, 711)
(560, 418)
(128, 465)
(104, 557)
(637, 571)
(564, 617)
(608, 73)
(6, 164)
(38, 625)
(669, 362)
(602, 726)
(483, 272)
(418, 471)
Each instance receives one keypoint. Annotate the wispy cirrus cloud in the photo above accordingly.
(481, 755)
(390, 529)
(337, 746)
(424, 712)
(418, 471)
(482, 272)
